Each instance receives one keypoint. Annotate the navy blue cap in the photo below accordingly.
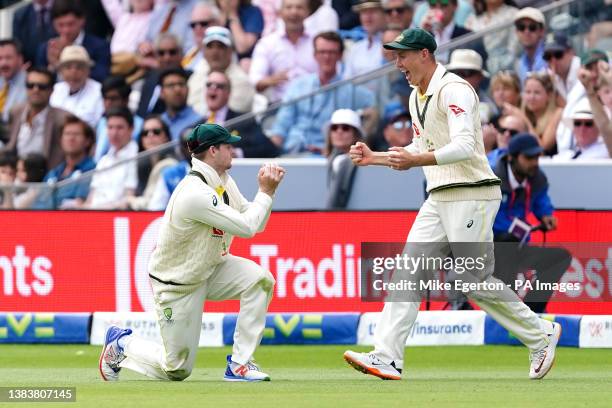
(559, 42)
(394, 110)
(524, 143)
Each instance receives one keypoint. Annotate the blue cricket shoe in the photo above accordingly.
(112, 354)
(249, 372)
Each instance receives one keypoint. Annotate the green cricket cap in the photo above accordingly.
(593, 55)
(208, 134)
(413, 39)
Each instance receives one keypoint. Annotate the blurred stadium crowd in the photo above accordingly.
(85, 85)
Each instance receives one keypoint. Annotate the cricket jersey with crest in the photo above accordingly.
(203, 215)
(470, 179)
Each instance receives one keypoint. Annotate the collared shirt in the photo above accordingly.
(16, 93)
(182, 120)
(219, 116)
(31, 139)
(443, 37)
(364, 56)
(301, 124)
(565, 86)
(87, 103)
(102, 144)
(79, 39)
(66, 194)
(596, 150)
(275, 53)
(525, 65)
(109, 186)
(514, 184)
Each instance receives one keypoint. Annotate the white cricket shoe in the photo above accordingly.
(112, 354)
(368, 363)
(542, 360)
(249, 372)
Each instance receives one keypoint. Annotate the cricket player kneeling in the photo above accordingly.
(192, 263)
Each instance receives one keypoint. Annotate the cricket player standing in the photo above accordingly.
(192, 263)
(464, 197)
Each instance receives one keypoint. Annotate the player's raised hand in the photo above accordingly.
(360, 154)
(269, 177)
(400, 158)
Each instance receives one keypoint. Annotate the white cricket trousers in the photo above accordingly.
(447, 221)
(236, 278)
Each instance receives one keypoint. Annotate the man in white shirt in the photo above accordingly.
(192, 263)
(464, 196)
(588, 61)
(77, 93)
(363, 56)
(589, 143)
(112, 184)
(563, 62)
(283, 55)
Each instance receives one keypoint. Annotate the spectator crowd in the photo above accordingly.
(88, 85)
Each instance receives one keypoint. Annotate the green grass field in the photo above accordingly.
(317, 376)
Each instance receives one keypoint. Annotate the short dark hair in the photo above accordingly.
(12, 42)
(87, 130)
(8, 159)
(116, 83)
(43, 71)
(329, 36)
(121, 113)
(35, 166)
(173, 71)
(62, 8)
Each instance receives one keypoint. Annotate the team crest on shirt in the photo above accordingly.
(456, 110)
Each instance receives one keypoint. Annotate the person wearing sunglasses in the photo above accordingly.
(219, 55)
(34, 126)
(398, 12)
(253, 142)
(203, 15)
(563, 64)
(397, 127)
(154, 133)
(530, 26)
(344, 130)
(507, 127)
(167, 54)
(589, 142)
(359, 58)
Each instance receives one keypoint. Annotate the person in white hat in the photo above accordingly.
(468, 65)
(530, 25)
(589, 143)
(343, 131)
(77, 93)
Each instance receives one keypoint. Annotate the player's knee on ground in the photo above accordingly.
(178, 375)
(177, 365)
